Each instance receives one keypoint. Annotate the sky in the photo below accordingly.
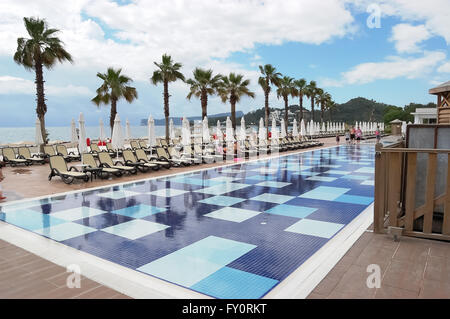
(390, 51)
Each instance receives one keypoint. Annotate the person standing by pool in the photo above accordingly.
(352, 135)
(358, 134)
(1, 179)
(347, 137)
(377, 134)
(337, 139)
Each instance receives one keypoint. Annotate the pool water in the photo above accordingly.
(227, 232)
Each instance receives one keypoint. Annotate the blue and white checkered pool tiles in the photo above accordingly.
(230, 232)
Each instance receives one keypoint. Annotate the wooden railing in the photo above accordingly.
(395, 206)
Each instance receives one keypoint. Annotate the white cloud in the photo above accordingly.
(393, 67)
(444, 68)
(15, 85)
(407, 37)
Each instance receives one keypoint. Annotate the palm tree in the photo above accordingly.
(300, 86)
(330, 105)
(42, 49)
(286, 88)
(113, 88)
(311, 93)
(233, 88)
(202, 85)
(322, 98)
(269, 76)
(167, 72)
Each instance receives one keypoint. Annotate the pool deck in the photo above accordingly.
(410, 268)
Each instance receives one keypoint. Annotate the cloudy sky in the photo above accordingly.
(341, 44)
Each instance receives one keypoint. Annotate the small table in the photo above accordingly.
(94, 171)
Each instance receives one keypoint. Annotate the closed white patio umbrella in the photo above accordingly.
(283, 129)
(323, 127)
(275, 133)
(151, 132)
(171, 130)
(219, 132)
(242, 133)
(186, 132)
(205, 130)
(294, 128)
(127, 131)
(82, 146)
(38, 133)
(229, 130)
(311, 128)
(302, 128)
(117, 135)
(102, 131)
(262, 131)
(73, 132)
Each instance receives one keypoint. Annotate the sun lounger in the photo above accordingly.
(68, 156)
(198, 152)
(95, 149)
(176, 158)
(131, 160)
(142, 156)
(89, 160)
(145, 147)
(9, 157)
(111, 150)
(106, 161)
(58, 167)
(24, 153)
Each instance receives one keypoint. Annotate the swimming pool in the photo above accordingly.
(227, 232)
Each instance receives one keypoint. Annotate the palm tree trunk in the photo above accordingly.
(321, 112)
(166, 108)
(312, 108)
(112, 116)
(301, 107)
(233, 111)
(286, 108)
(41, 108)
(204, 101)
(329, 110)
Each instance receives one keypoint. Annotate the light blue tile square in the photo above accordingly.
(356, 177)
(231, 283)
(194, 181)
(139, 211)
(223, 179)
(337, 172)
(135, 229)
(260, 177)
(291, 210)
(321, 179)
(233, 214)
(367, 170)
(315, 228)
(167, 192)
(273, 198)
(307, 173)
(65, 231)
(325, 193)
(353, 199)
(273, 184)
(77, 213)
(330, 166)
(222, 189)
(222, 200)
(189, 265)
(264, 170)
(368, 182)
(119, 194)
(31, 220)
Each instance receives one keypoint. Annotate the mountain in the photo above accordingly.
(177, 120)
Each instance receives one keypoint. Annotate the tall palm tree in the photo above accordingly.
(322, 97)
(311, 93)
(300, 86)
(113, 88)
(330, 105)
(233, 88)
(202, 85)
(43, 49)
(269, 75)
(167, 71)
(285, 88)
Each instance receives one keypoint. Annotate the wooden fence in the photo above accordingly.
(396, 173)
